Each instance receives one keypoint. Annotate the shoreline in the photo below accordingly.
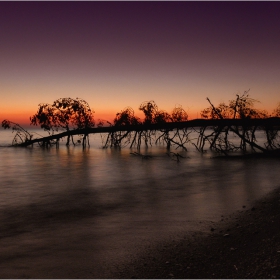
(245, 244)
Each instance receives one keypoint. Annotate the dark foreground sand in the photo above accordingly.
(243, 245)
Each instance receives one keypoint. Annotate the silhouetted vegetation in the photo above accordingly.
(124, 118)
(21, 135)
(241, 108)
(153, 124)
(224, 128)
(64, 114)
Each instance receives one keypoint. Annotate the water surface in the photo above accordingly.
(120, 200)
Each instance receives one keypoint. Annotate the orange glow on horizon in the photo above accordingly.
(22, 117)
(19, 118)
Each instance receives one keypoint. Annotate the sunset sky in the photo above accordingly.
(119, 54)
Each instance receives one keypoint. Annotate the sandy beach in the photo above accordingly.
(243, 245)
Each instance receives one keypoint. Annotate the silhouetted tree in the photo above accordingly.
(240, 108)
(46, 118)
(149, 108)
(65, 114)
(220, 112)
(125, 117)
(21, 136)
(178, 137)
(152, 114)
(178, 114)
(74, 117)
(161, 117)
(243, 107)
(181, 136)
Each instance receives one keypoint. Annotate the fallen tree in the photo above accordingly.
(232, 124)
(69, 117)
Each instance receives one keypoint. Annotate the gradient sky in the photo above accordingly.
(118, 54)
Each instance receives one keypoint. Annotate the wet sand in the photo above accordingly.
(245, 244)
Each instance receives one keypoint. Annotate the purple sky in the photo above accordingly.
(118, 54)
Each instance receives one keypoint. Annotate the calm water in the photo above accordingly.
(121, 195)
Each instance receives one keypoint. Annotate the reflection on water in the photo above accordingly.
(113, 180)
(122, 194)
